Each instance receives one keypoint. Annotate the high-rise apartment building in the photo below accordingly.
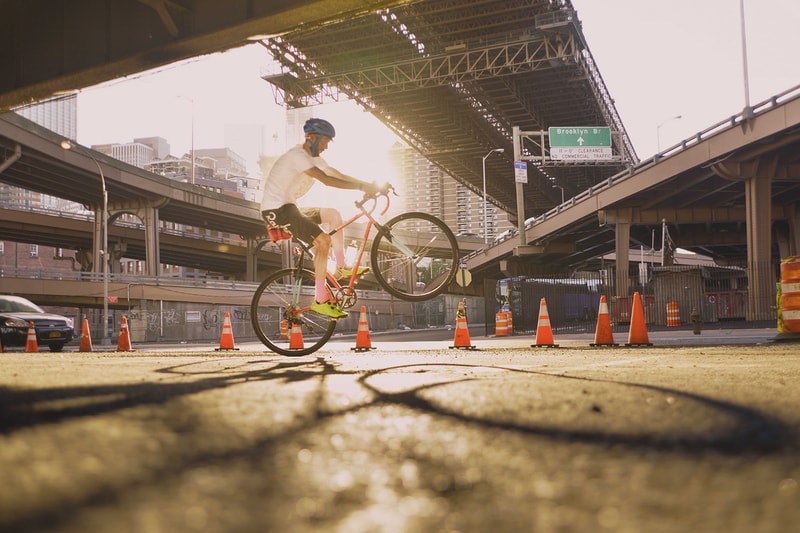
(427, 188)
(135, 153)
(61, 116)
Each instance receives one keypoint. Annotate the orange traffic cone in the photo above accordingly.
(462, 331)
(124, 342)
(363, 343)
(296, 338)
(637, 336)
(31, 345)
(544, 333)
(226, 339)
(86, 338)
(603, 336)
(284, 329)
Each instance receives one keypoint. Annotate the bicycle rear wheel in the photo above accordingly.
(414, 256)
(283, 301)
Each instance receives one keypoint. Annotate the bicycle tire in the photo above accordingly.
(272, 304)
(434, 248)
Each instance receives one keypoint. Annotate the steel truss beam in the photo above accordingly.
(304, 84)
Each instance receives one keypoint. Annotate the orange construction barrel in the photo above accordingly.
(790, 294)
(673, 314)
(501, 324)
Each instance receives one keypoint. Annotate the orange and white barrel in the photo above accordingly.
(284, 329)
(501, 324)
(790, 294)
(509, 323)
(673, 315)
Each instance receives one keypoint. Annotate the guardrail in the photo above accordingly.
(697, 138)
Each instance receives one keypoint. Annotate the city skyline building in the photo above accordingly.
(427, 188)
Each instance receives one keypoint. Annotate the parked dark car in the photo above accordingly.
(16, 314)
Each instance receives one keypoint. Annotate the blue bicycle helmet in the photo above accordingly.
(320, 127)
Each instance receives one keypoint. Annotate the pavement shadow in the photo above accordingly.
(751, 433)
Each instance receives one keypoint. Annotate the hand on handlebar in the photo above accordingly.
(373, 189)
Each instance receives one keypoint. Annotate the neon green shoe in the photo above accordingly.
(329, 309)
(345, 273)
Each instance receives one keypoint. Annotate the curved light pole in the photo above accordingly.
(658, 131)
(69, 145)
(485, 223)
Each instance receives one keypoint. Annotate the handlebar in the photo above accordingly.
(384, 191)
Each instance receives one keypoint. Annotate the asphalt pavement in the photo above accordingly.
(694, 433)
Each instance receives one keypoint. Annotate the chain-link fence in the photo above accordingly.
(722, 296)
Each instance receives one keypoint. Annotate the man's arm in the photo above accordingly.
(334, 178)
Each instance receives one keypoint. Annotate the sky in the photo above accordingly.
(659, 59)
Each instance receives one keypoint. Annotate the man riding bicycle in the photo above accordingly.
(290, 178)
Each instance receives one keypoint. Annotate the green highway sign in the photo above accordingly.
(580, 143)
(579, 136)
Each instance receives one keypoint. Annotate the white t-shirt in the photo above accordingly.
(288, 181)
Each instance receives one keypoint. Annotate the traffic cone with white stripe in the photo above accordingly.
(31, 345)
(226, 339)
(124, 342)
(461, 340)
(363, 343)
(637, 336)
(86, 338)
(603, 336)
(544, 333)
(296, 338)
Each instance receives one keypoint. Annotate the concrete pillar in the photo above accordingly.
(761, 279)
(253, 246)
(623, 244)
(147, 212)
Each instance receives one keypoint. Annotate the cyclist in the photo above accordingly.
(291, 177)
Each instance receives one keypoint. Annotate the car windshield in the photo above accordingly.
(19, 306)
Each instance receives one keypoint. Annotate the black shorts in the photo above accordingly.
(303, 225)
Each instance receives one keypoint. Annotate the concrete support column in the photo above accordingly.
(623, 244)
(152, 223)
(147, 212)
(253, 246)
(761, 279)
(794, 233)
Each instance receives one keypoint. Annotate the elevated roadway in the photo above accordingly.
(451, 77)
(743, 172)
(738, 174)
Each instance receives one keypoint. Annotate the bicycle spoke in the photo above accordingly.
(415, 256)
(282, 301)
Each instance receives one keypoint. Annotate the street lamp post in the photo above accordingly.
(69, 145)
(191, 100)
(485, 223)
(658, 131)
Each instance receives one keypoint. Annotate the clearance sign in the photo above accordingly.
(580, 143)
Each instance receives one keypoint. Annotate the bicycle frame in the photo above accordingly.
(364, 212)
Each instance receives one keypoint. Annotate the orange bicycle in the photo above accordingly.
(414, 257)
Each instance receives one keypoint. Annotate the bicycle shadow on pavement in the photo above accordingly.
(746, 430)
(423, 389)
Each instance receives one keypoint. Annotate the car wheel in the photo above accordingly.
(56, 346)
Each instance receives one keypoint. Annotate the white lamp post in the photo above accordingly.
(191, 100)
(485, 223)
(658, 131)
(69, 145)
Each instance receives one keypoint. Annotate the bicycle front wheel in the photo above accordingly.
(281, 314)
(414, 256)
